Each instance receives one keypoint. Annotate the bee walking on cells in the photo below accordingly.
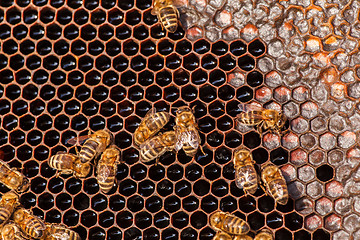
(167, 14)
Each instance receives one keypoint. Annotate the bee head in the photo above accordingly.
(82, 169)
(105, 136)
(183, 109)
(10, 196)
(282, 120)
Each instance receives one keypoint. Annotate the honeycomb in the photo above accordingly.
(67, 67)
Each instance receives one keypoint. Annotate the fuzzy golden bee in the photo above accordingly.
(68, 163)
(29, 224)
(220, 235)
(275, 183)
(150, 125)
(9, 201)
(12, 178)
(94, 144)
(242, 237)
(106, 168)
(265, 234)
(262, 119)
(59, 232)
(245, 173)
(11, 231)
(229, 223)
(186, 129)
(167, 14)
(155, 147)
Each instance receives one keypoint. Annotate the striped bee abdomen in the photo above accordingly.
(152, 149)
(169, 18)
(88, 150)
(5, 213)
(278, 190)
(189, 150)
(157, 121)
(235, 225)
(33, 227)
(61, 161)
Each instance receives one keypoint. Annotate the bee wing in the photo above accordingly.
(103, 173)
(181, 138)
(61, 236)
(152, 110)
(193, 138)
(75, 140)
(248, 107)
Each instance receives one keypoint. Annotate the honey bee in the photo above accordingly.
(220, 235)
(29, 224)
(11, 231)
(275, 183)
(106, 168)
(262, 119)
(94, 144)
(265, 234)
(245, 173)
(167, 13)
(12, 178)
(157, 146)
(150, 125)
(68, 163)
(59, 232)
(242, 237)
(188, 137)
(9, 201)
(228, 223)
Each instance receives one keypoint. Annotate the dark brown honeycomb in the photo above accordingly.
(70, 66)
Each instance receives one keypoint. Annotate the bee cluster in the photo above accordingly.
(18, 223)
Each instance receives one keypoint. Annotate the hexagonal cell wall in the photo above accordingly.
(67, 67)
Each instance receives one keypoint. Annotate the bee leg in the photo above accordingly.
(259, 127)
(58, 173)
(202, 150)
(263, 188)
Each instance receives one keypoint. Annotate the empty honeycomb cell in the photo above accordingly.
(201, 187)
(184, 47)
(143, 220)
(135, 93)
(256, 220)
(246, 63)
(293, 221)
(8, 152)
(22, 77)
(212, 171)
(99, 202)
(189, 93)
(225, 123)
(34, 137)
(23, 153)
(283, 234)
(56, 185)
(6, 31)
(193, 172)
(90, 186)
(198, 219)
(215, 139)
(161, 219)
(199, 77)
(220, 188)
(13, 16)
(4, 106)
(135, 203)
(172, 204)
(228, 204)
(207, 93)
(274, 220)
(28, 200)
(61, 122)
(252, 140)
(165, 47)
(16, 62)
(233, 139)
(219, 48)
(247, 204)
(173, 61)
(106, 219)
(38, 185)
(47, 15)
(175, 172)
(209, 204)
(302, 235)
(10, 122)
(127, 187)
(208, 62)
(256, 48)
(146, 78)
(265, 204)
(38, 31)
(41, 153)
(45, 201)
(156, 63)
(10, 47)
(130, 47)
(227, 62)
(133, 17)
(78, 47)
(27, 47)
(53, 31)
(146, 188)
(254, 79)
(324, 173)
(244, 94)
(98, 17)
(279, 156)
(138, 172)
(132, 123)
(54, 107)
(88, 218)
